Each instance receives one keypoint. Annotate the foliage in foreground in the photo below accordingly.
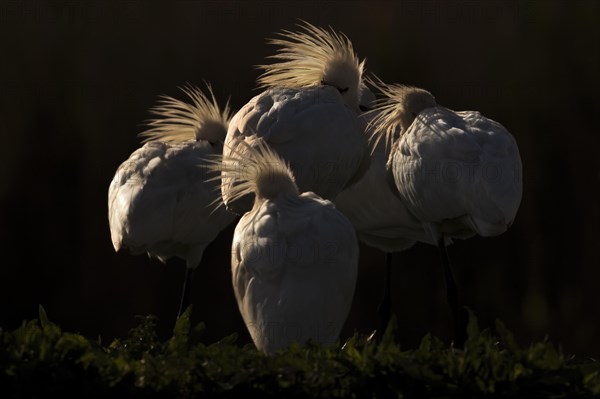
(38, 359)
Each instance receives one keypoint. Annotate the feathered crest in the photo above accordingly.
(177, 120)
(253, 169)
(304, 56)
(390, 111)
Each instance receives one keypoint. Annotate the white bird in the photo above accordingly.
(458, 173)
(158, 200)
(308, 113)
(294, 256)
(379, 216)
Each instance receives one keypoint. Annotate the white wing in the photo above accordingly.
(379, 216)
(460, 170)
(309, 128)
(294, 267)
(159, 202)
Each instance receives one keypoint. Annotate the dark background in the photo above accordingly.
(77, 81)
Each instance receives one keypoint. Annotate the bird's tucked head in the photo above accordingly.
(366, 99)
(200, 119)
(413, 100)
(342, 75)
(398, 109)
(255, 169)
(315, 56)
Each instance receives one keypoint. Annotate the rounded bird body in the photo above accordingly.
(294, 256)
(308, 113)
(311, 128)
(459, 170)
(459, 173)
(158, 201)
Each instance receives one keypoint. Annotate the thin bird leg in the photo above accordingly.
(187, 287)
(452, 295)
(384, 310)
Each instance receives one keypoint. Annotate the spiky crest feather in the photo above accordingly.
(389, 111)
(304, 56)
(177, 120)
(257, 170)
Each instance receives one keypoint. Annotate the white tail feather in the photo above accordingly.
(177, 120)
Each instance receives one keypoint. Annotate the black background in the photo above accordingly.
(77, 81)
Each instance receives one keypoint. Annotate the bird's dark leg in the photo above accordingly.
(458, 313)
(384, 310)
(185, 296)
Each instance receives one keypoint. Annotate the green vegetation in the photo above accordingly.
(38, 359)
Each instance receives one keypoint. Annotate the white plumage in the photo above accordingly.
(294, 256)
(373, 206)
(459, 173)
(308, 113)
(158, 200)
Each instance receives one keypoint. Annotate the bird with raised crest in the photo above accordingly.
(159, 199)
(380, 217)
(308, 113)
(458, 173)
(294, 256)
